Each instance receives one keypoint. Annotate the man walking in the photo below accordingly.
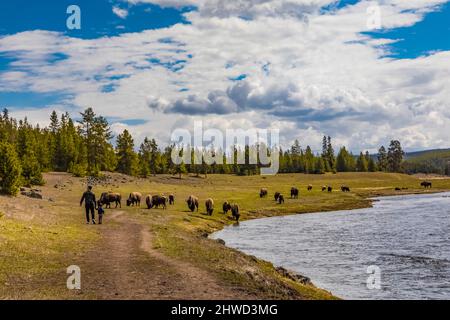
(89, 203)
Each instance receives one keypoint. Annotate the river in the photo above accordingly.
(400, 247)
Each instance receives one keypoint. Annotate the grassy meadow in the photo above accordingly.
(40, 238)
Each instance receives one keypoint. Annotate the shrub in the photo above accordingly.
(10, 169)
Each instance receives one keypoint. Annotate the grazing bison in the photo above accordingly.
(324, 188)
(426, 184)
(330, 189)
(134, 199)
(192, 203)
(235, 211)
(281, 199)
(277, 195)
(158, 201)
(171, 199)
(108, 197)
(398, 189)
(149, 202)
(310, 187)
(226, 207)
(209, 204)
(345, 189)
(294, 193)
(263, 193)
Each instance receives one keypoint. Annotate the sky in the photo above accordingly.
(363, 72)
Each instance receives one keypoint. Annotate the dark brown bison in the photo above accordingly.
(294, 193)
(134, 199)
(345, 189)
(281, 199)
(426, 184)
(324, 188)
(171, 199)
(149, 202)
(108, 197)
(276, 196)
(398, 189)
(263, 193)
(209, 204)
(235, 212)
(159, 201)
(192, 203)
(310, 187)
(226, 207)
(330, 189)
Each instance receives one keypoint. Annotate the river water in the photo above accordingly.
(401, 247)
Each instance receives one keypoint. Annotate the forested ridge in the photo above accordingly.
(85, 147)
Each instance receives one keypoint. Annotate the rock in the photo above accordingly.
(22, 189)
(51, 200)
(294, 276)
(222, 242)
(32, 194)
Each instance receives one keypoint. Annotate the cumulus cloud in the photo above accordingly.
(307, 72)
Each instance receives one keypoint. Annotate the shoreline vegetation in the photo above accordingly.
(164, 254)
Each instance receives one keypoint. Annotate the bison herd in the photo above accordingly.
(161, 201)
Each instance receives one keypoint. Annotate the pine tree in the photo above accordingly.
(10, 169)
(395, 156)
(341, 161)
(319, 165)
(382, 159)
(361, 163)
(372, 166)
(126, 157)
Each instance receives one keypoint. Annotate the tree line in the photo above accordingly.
(85, 147)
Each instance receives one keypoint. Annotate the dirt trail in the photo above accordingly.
(125, 265)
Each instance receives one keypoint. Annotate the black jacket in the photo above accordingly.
(88, 198)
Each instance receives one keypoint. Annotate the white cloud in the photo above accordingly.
(121, 13)
(307, 73)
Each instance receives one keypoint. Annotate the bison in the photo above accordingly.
(158, 201)
(426, 184)
(209, 204)
(226, 207)
(330, 189)
(134, 199)
(108, 197)
(345, 189)
(235, 212)
(263, 193)
(171, 199)
(149, 202)
(324, 188)
(281, 199)
(294, 193)
(192, 203)
(310, 187)
(277, 195)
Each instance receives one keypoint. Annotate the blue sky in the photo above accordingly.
(311, 67)
(98, 19)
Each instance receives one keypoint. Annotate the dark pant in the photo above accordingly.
(90, 209)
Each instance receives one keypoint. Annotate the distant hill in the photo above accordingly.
(428, 161)
(428, 154)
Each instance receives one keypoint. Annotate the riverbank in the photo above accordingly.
(167, 241)
(406, 243)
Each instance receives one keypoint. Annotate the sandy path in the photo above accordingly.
(126, 266)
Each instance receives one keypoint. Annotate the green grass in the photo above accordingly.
(39, 244)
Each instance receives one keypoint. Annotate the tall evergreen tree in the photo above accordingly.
(126, 157)
(382, 159)
(395, 156)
